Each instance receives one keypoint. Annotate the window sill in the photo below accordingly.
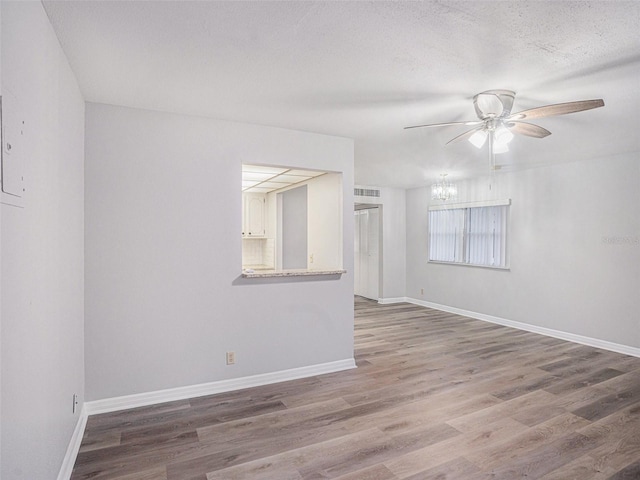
(288, 273)
(491, 267)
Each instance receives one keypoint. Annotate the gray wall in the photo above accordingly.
(164, 295)
(42, 252)
(574, 250)
(294, 228)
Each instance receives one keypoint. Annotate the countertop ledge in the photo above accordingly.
(289, 273)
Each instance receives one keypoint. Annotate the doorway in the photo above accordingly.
(367, 252)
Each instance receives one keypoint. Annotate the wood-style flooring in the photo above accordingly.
(435, 396)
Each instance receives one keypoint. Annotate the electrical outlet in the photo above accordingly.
(422, 291)
(311, 258)
(231, 358)
(75, 403)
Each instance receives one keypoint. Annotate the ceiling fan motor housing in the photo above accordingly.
(493, 103)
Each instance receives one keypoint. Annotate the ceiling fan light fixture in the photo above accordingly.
(500, 147)
(502, 135)
(478, 138)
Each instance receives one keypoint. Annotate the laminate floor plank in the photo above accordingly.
(376, 472)
(99, 440)
(262, 426)
(452, 470)
(610, 404)
(374, 450)
(416, 415)
(285, 464)
(507, 408)
(511, 456)
(630, 472)
(433, 456)
(435, 396)
(583, 381)
(152, 474)
(545, 458)
(583, 468)
(618, 436)
(108, 422)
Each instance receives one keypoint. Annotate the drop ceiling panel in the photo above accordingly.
(263, 169)
(274, 184)
(264, 179)
(258, 177)
(305, 173)
(285, 177)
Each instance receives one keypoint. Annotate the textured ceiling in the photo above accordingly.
(365, 70)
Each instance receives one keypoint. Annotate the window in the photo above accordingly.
(471, 235)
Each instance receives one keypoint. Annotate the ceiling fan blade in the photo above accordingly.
(474, 122)
(557, 109)
(466, 134)
(528, 129)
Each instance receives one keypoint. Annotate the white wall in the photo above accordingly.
(394, 240)
(326, 218)
(574, 251)
(0, 267)
(164, 295)
(42, 252)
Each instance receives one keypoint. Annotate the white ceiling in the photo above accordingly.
(365, 70)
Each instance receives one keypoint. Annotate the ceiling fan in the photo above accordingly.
(498, 124)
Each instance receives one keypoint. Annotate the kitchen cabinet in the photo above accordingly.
(253, 215)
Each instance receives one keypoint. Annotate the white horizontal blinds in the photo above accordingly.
(486, 235)
(446, 235)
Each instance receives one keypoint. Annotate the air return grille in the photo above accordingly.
(366, 192)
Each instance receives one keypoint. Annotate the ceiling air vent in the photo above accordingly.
(366, 192)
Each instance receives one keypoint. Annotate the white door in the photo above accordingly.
(367, 252)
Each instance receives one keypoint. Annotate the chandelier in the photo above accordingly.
(443, 190)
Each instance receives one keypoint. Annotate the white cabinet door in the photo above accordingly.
(254, 215)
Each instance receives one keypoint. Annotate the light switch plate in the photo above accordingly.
(12, 152)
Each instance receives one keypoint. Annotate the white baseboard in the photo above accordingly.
(74, 447)
(387, 301)
(181, 393)
(571, 337)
